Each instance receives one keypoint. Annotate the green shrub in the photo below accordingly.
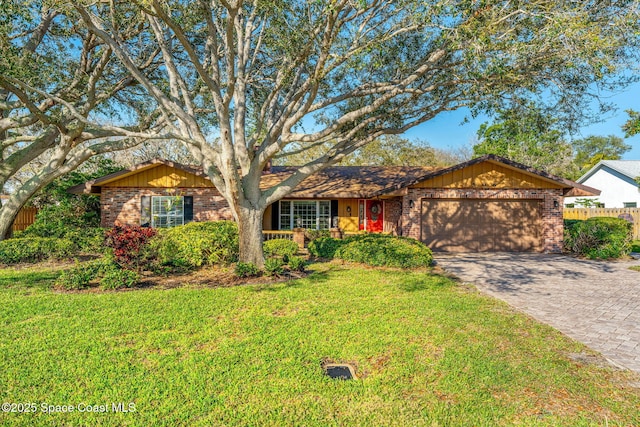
(117, 278)
(312, 234)
(296, 263)
(385, 251)
(570, 224)
(56, 220)
(599, 237)
(105, 269)
(76, 278)
(375, 250)
(197, 244)
(35, 249)
(283, 248)
(273, 267)
(86, 239)
(246, 269)
(325, 247)
(80, 276)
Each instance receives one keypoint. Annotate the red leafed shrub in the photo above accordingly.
(127, 242)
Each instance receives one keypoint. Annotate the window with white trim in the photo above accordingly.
(314, 214)
(167, 211)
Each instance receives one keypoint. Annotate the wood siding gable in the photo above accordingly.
(160, 176)
(486, 175)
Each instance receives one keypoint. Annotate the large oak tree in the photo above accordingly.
(241, 81)
(56, 78)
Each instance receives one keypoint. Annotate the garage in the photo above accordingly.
(482, 225)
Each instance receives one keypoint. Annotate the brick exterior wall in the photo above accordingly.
(122, 204)
(392, 215)
(552, 223)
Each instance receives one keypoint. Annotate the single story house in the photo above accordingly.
(486, 204)
(616, 179)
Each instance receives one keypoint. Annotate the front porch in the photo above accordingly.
(380, 215)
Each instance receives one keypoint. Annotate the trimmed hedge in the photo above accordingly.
(197, 244)
(599, 237)
(375, 249)
(325, 247)
(35, 249)
(283, 248)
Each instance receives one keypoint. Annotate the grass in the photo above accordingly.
(429, 352)
(28, 279)
(635, 246)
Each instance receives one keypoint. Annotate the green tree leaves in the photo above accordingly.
(632, 126)
(528, 135)
(536, 138)
(592, 149)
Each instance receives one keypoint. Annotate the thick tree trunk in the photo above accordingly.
(250, 233)
(8, 214)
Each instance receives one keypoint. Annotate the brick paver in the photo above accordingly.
(594, 302)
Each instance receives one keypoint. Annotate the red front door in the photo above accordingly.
(373, 217)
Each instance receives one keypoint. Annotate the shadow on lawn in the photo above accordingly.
(424, 282)
(287, 282)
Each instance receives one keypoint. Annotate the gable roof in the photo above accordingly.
(331, 182)
(570, 188)
(628, 168)
(348, 181)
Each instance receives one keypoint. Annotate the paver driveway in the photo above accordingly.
(594, 302)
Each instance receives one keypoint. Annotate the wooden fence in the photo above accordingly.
(627, 213)
(25, 218)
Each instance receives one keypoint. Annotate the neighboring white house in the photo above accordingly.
(616, 181)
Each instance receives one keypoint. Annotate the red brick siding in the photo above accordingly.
(122, 204)
(392, 215)
(552, 223)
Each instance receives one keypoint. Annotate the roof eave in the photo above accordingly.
(86, 188)
(581, 191)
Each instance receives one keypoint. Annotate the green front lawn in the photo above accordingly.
(429, 352)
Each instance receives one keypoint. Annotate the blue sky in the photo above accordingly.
(446, 130)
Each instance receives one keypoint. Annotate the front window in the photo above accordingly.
(314, 214)
(167, 211)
